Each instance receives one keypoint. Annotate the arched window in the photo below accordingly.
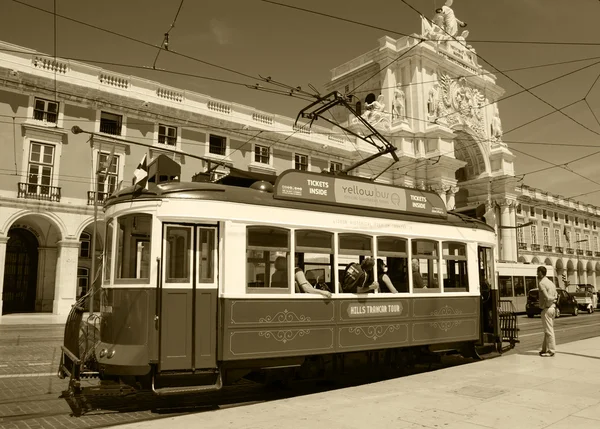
(84, 245)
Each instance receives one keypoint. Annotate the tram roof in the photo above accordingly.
(244, 195)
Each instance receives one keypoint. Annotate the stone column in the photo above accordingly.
(65, 286)
(46, 279)
(505, 235)
(3, 241)
(513, 231)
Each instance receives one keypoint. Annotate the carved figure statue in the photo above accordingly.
(375, 111)
(462, 38)
(496, 126)
(451, 22)
(399, 104)
(433, 30)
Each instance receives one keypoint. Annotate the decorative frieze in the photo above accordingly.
(50, 64)
(111, 80)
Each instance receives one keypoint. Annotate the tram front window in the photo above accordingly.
(133, 247)
(425, 266)
(455, 267)
(267, 258)
(108, 251)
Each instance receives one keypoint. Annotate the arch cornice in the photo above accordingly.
(52, 217)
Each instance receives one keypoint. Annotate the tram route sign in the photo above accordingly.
(345, 191)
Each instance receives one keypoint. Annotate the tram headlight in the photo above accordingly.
(103, 353)
(110, 354)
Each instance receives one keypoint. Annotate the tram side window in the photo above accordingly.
(206, 255)
(454, 270)
(267, 258)
(394, 253)
(519, 285)
(314, 255)
(506, 286)
(425, 266)
(353, 248)
(133, 247)
(530, 283)
(108, 251)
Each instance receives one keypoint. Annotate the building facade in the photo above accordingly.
(431, 100)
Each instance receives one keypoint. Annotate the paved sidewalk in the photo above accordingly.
(33, 319)
(520, 391)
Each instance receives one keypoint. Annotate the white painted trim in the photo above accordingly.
(259, 165)
(114, 112)
(59, 120)
(308, 157)
(48, 140)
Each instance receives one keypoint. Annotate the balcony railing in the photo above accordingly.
(109, 127)
(570, 250)
(558, 249)
(589, 253)
(101, 197)
(38, 192)
(547, 248)
(580, 252)
(535, 247)
(522, 246)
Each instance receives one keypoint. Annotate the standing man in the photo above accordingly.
(548, 306)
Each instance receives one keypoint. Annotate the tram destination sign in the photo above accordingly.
(345, 191)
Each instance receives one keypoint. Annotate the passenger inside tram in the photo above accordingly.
(385, 283)
(280, 276)
(300, 282)
(416, 275)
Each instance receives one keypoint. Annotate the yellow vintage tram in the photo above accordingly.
(189, 299)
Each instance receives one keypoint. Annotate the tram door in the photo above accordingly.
(489, 296)
(188, 298)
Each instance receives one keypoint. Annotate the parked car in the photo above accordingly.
(587, 298)
(566, 303)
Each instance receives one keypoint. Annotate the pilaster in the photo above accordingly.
(65, 285)
(3, 242)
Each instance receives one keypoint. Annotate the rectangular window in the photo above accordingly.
(505, 286)
(133, 247)
(84, 245)
(262, 154)
(520, 236)
(594, 224)
(595, 244)
(566, 218)
(45, 111)
(267, 251)
(532, 211)
(555, 217)
(111, 123)
(393, 252)
(206, 254)
(314, 256)
(300, 162)
(82, 281)
(585, 223)
(178, 254)
(167, 135)
(353, 248)
(455, 267)
(576, 221)
(217, 144)
(108, 175)
(586, 243)
(519, 209)
(533, 234)
(544, 214)
(425, 266)
(41, 166)
(335, 166)
(557, 237)
(546, 232)
(577, 240)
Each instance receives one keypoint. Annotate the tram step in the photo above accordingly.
(189, 389)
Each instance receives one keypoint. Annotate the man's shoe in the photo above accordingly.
(542, 353)
(550, 354)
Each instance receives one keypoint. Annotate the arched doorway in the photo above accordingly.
(20, 272)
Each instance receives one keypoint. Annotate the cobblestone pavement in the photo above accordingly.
(30, 389)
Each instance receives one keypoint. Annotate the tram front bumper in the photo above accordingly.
(120, 359)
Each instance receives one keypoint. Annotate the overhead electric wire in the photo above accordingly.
(363, 24)
(165, 41)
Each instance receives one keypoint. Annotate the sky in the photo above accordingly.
(255, 37)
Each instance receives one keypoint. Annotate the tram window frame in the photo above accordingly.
(206, 261)
(452, 261)
(270, 253)
(395, 250)
(349, 253)
(503, 289)
(433, 266)
(321, 245)
(519, 284)
(531, 282)
(171, 250)
(108, 251)
(127, 274)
